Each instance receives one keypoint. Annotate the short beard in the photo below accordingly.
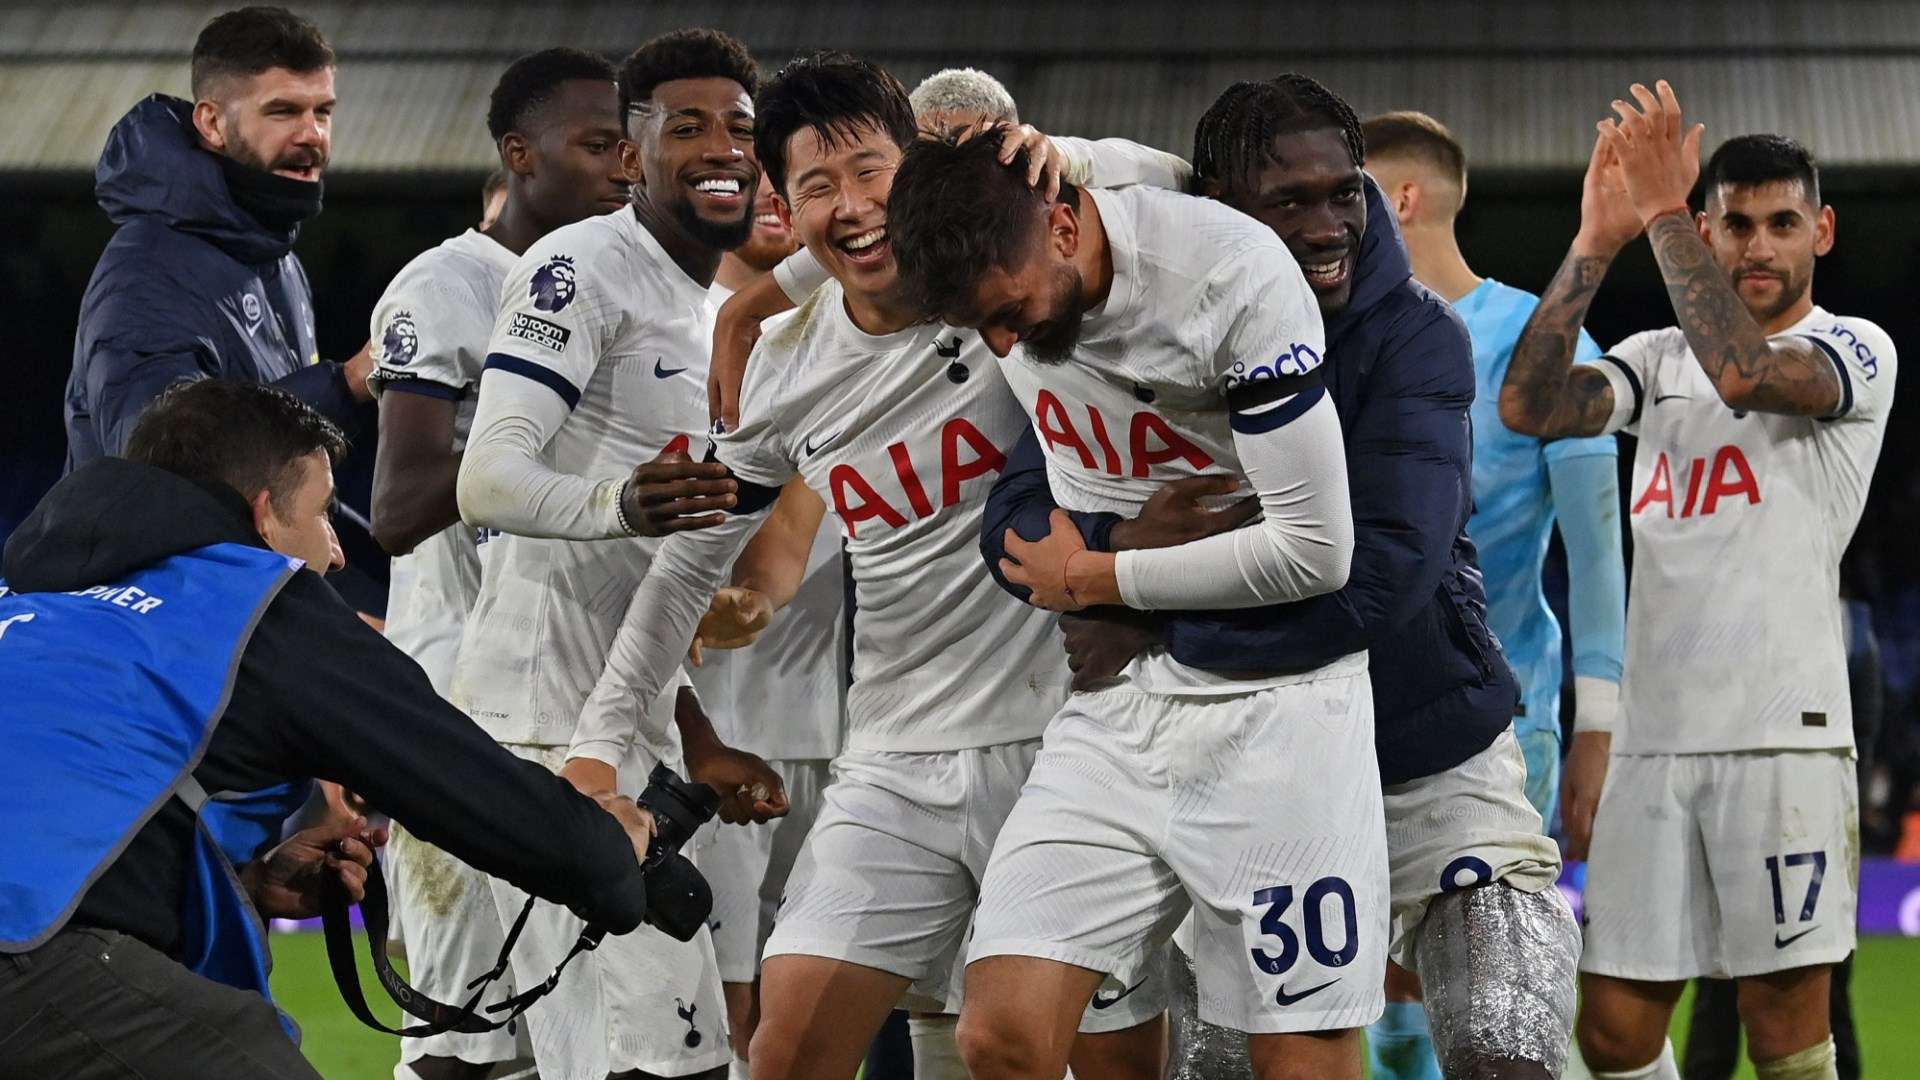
(243, 152)
(1792, 290)
(1054, 340)
(716, 235)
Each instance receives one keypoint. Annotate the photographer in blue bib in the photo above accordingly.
(165, 634)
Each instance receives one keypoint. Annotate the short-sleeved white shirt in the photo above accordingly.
(1203, 299)
(429, 336)
(903, 435)
(1734, 627)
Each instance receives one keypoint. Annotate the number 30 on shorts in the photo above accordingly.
(1313, 925)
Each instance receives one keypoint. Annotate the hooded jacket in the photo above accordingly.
(318, 693)
(1399, 366)
(190, 285)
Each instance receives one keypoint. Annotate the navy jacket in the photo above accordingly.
(190, 285)
(1400, 368)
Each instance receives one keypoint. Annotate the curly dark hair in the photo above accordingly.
(685, 54)
(531, 81)
(248, 436)
(1235, 136)
(250, 40)
(957, 213)
(833, 95)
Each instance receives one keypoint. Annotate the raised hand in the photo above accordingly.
(1659, 155)
(1608, 220)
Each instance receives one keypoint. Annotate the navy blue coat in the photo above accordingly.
(1400, 368)
(190, 285)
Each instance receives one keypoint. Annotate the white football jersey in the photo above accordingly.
(1734, 638)
(785, 696)
(429, 336)
(903, 435)
(1203, 298)
(598, 312)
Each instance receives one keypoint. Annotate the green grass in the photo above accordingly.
(1885, 975)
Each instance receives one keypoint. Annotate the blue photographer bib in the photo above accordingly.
(111, 694)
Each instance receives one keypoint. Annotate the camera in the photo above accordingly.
(678, 898)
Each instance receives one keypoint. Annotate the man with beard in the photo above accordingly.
(593, 366)
(1760, 417)
(1287, 151)
(1165, 337)
(555, 118)
(201, 281)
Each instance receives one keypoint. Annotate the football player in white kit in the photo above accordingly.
(594, 364)
(785, 697)
(1725, 842)
(1160, 336)
(901, 426)
(555, 117)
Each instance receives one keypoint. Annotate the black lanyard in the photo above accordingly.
(439, 1016)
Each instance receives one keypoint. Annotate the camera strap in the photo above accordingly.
(439, 1016)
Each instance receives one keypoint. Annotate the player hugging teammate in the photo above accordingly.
(1221, 439)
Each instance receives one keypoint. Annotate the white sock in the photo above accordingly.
(936, 1054)
(1814, 1063)
(1661, 1068)
(738, 1070)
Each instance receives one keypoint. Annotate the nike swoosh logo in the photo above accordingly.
(665, 372)
(811, 449)
(1779, 944)
(1281, 997)
(1671, 397)
(1108, 1003)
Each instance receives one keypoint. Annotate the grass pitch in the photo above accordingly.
(1884, 977)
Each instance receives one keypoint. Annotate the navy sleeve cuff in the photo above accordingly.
(545, 376)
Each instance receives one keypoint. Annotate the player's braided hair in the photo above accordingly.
(1235, 136)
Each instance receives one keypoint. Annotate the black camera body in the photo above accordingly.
(678, 898)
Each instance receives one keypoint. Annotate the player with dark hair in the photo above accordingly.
(200, 279)
(898, 425)
(1154, 336)
(1760, 417)
(554, 117)
(594, 365)
(165, 633)
(1523, 489)
(1286, 152)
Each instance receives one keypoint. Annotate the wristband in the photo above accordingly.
(1596, 704)
(620, 509)
(1066, 576)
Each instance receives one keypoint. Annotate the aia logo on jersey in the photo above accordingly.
(965, 454)
(401, 341)
(1297, 360)
(1727, 475)
(553, 284)
(1150, 439)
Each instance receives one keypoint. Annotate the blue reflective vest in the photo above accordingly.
(111, 695)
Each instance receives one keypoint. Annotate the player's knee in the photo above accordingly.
(1610, 1045)
(772, 1054)
(994, 1049)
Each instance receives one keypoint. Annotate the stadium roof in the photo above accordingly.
(1520, 83)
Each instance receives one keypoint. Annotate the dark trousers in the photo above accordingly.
(98, 1005)
(1713, 1040)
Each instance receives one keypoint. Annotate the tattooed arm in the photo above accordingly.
(1545, 394)
(1793, 377)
